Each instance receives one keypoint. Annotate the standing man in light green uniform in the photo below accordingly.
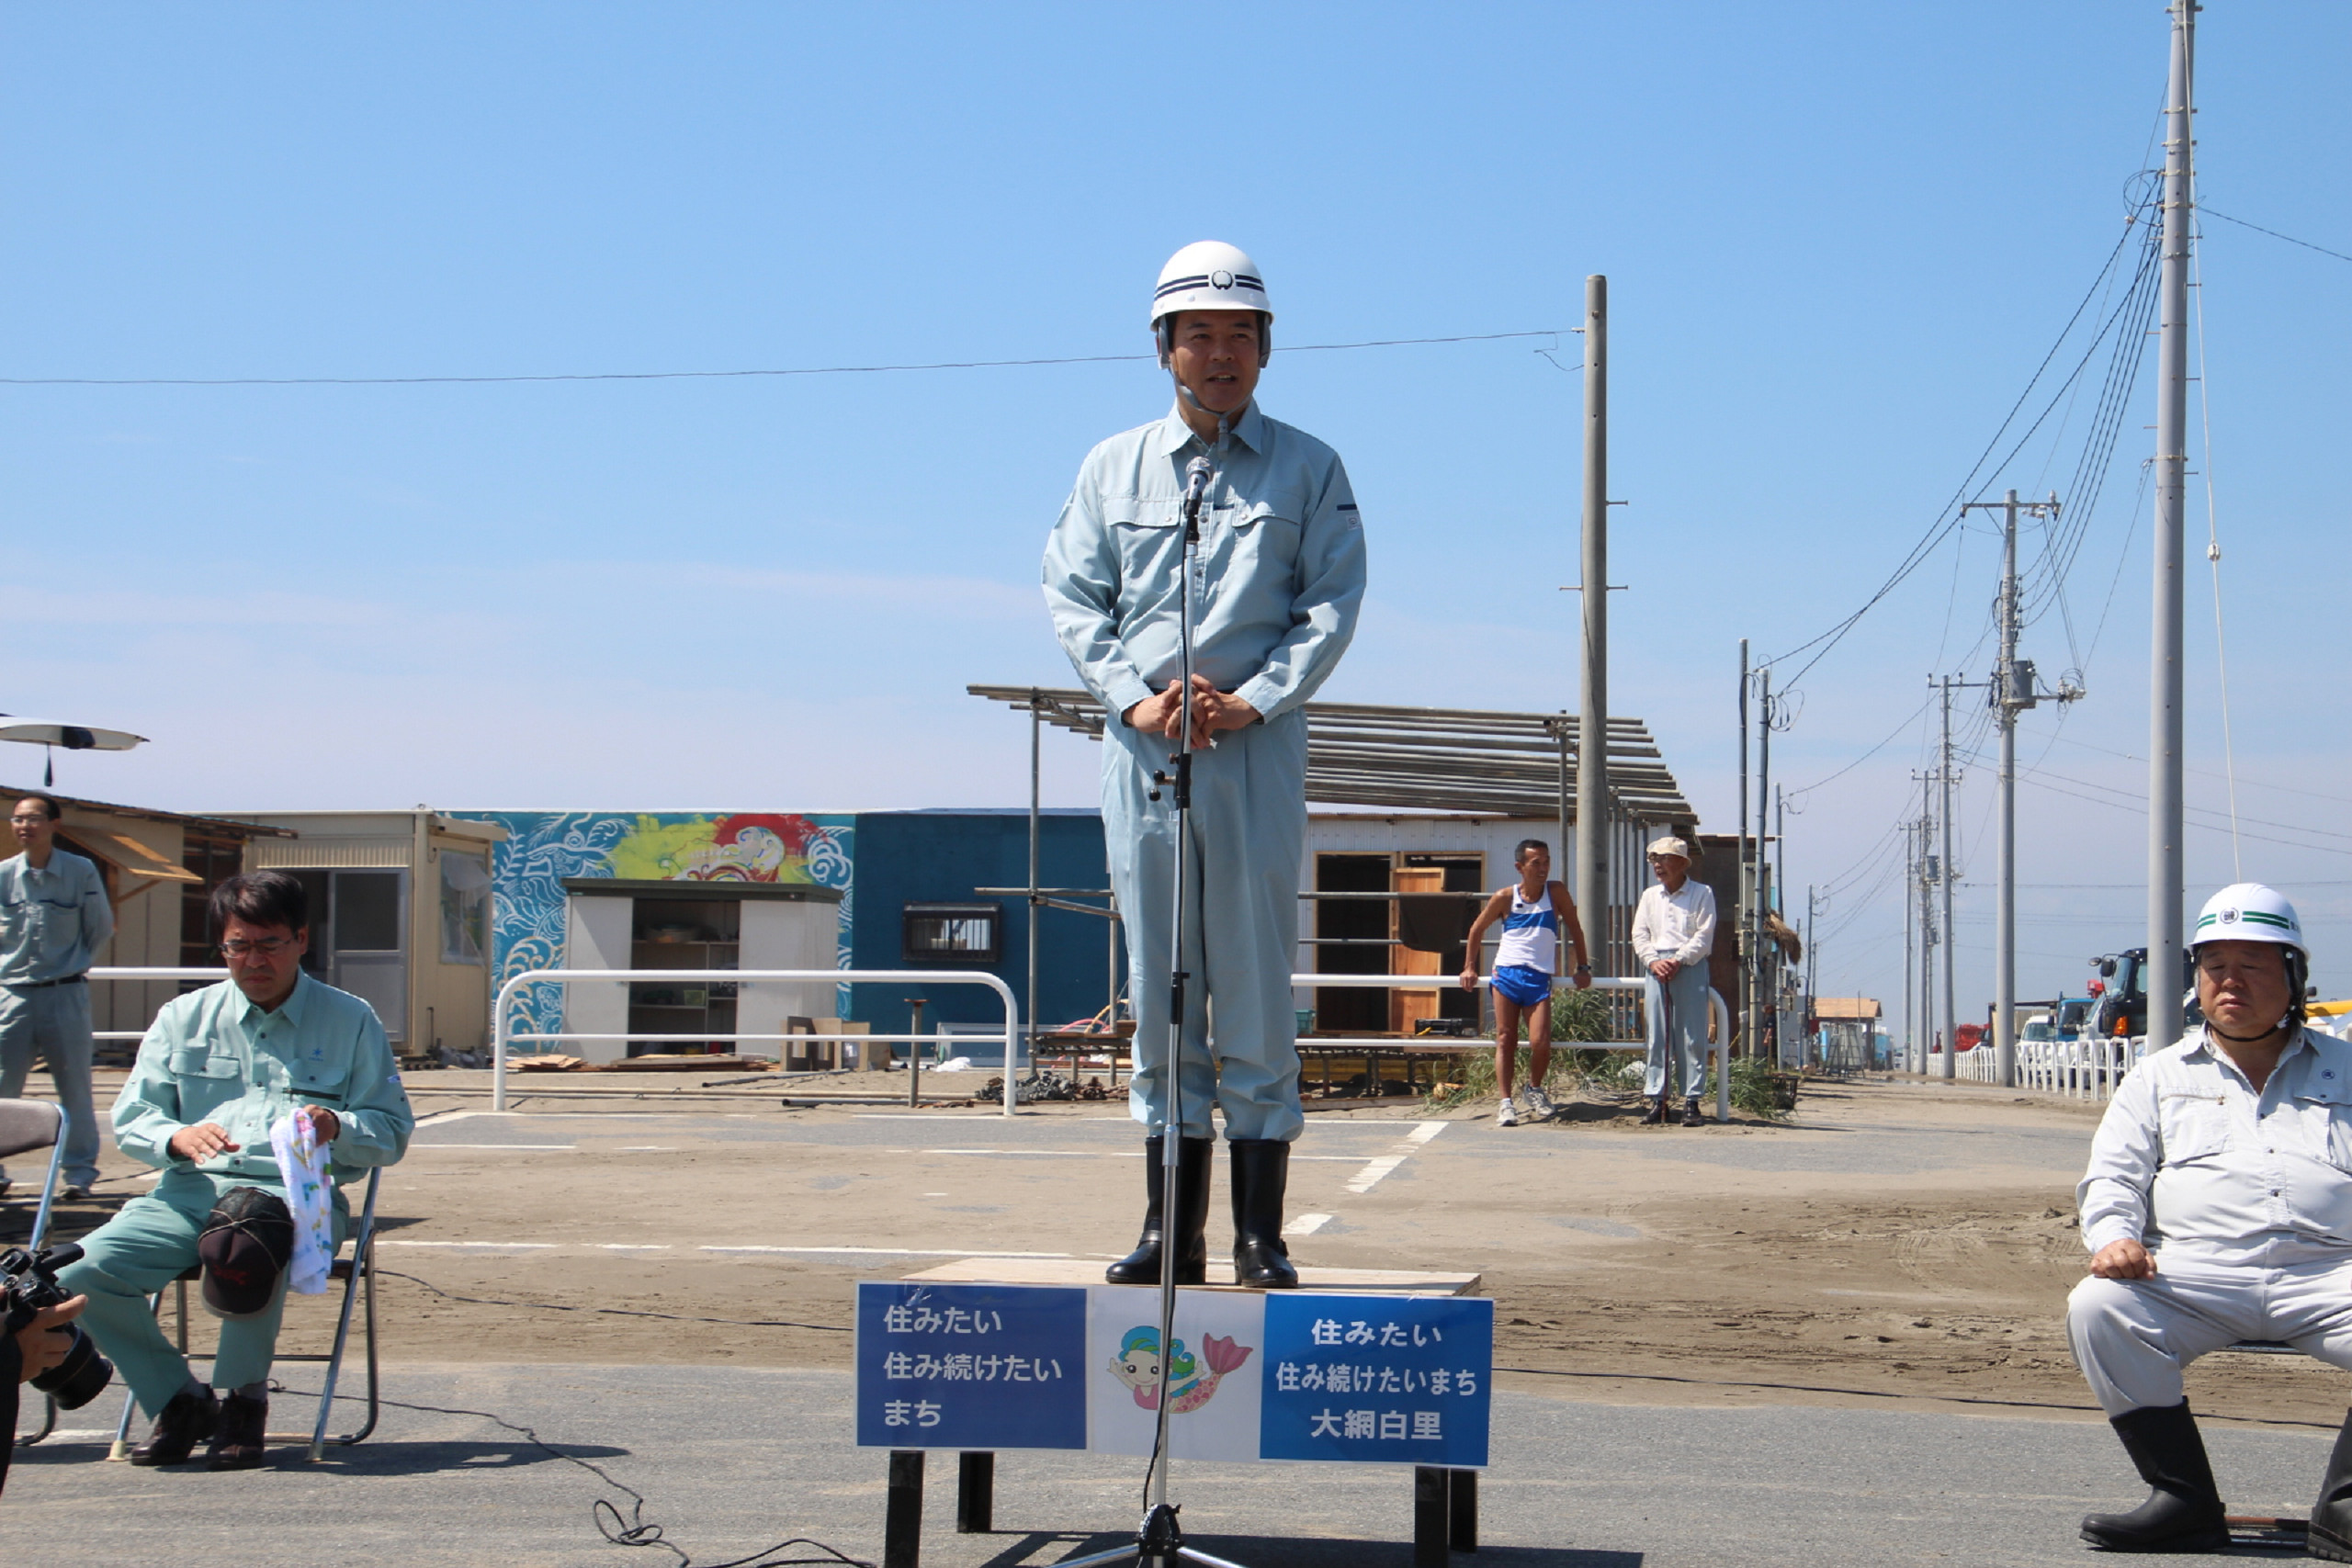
(1279, 580)
(53, 919)
(217, 1070)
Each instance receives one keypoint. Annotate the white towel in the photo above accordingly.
(309, 1196)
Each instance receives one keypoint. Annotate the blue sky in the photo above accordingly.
(1839, 237)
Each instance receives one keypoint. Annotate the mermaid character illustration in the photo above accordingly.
(1138, 1366)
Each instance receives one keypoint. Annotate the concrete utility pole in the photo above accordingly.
(2013, 692)
(2166, 872)
(1746, 857)
(1593, 717)
(1949, 872)
(1754, 945)
(1910, 964)
(1929, 936)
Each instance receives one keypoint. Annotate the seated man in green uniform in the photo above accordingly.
(217, 1070)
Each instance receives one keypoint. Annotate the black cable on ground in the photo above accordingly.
(634, 1531)
(616, 1312)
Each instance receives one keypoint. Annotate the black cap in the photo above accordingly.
(245, 1245)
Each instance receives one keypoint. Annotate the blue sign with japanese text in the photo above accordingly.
(970, 1366)
(1402, 1380)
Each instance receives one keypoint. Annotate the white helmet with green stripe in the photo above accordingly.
(2248, 912)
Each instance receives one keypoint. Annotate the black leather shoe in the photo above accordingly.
(1141, 1267)
(188, 1419)
(2183, 1511)
(1691, 1115)
(1657, 1114)
(1260, 1175)
(241, 1445)
(2331, 1531)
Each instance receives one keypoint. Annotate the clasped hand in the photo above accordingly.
(1213, 712)
(2125, 1259)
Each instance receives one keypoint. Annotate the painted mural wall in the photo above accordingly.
(543, 848)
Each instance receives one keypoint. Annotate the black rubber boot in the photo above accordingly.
(1141, 1267)
(1691, 1115)
(2183, 1512)
(241, 1445)
(1260, 1174)
(2331, 1536)
(190, 1418)
(1656, 1115)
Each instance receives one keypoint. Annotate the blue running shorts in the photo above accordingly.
(1521, 984)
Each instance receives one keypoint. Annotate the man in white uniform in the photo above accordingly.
(1674, 931)
(1278, 578)
(2217, 1208)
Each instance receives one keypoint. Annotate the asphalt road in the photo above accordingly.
(731, 1460)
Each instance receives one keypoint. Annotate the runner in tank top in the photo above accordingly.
(1532, 912)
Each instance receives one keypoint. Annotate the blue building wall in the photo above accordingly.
(939, 857)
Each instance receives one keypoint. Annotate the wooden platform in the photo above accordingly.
(1089, 1271)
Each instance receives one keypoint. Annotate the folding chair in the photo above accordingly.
(27, 1125)
(357, 1273)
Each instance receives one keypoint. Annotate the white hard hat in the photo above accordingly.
(2248, 912)
(1209, 275)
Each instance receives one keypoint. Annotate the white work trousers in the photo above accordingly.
(2132, 1338)
(1248, 836)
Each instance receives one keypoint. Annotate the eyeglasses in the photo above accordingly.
(268, 947)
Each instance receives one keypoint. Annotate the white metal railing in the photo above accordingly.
(2087, 1068)
(136, 972)
(1716, 1009)
(500, 1034)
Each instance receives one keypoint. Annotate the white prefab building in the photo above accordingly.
(613, 923)
(400, 915)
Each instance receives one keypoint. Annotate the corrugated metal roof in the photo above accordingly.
(1466, 759)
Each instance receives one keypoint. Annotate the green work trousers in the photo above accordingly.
(133, 1256)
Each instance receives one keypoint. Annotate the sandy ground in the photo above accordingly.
(1895, 1243)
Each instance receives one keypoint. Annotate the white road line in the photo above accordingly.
(1306, 1225)
(475, 1246)
(894, 1252)
(1370, 1176)
(632, 1247)
(542, 1147)
(443, 1118)
(1120, 1154)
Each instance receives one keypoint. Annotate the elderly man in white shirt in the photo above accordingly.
(1674, 931)
(2217, 1208)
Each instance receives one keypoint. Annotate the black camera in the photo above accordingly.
(28, 1284)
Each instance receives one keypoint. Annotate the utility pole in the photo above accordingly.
(1752, 917)
(1949, 872)
(1929, 863)
(2013, 690)
(1812, 972)
(2166, 872)
(1747, 1012)
(1593, 717)
(1910, 964)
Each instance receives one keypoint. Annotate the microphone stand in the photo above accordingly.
(1159, 1542)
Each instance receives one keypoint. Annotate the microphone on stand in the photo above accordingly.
(1197, 474)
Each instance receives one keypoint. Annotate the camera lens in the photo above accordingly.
(78, 1379)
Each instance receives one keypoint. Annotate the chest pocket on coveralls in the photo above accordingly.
(1266, 535)
(2193, 1127)
(322, 1079)
(2325, 1107)
(1146, 534)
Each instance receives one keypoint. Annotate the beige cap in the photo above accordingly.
(1669, 845)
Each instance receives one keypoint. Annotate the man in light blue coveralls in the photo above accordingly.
(1280, 579)
(53, 919)
(218, 1068)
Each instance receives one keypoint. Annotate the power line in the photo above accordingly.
(693, 375)
(2274, 233)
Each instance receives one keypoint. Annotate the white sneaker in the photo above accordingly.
(1506, 1116)
(1538, 1104)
